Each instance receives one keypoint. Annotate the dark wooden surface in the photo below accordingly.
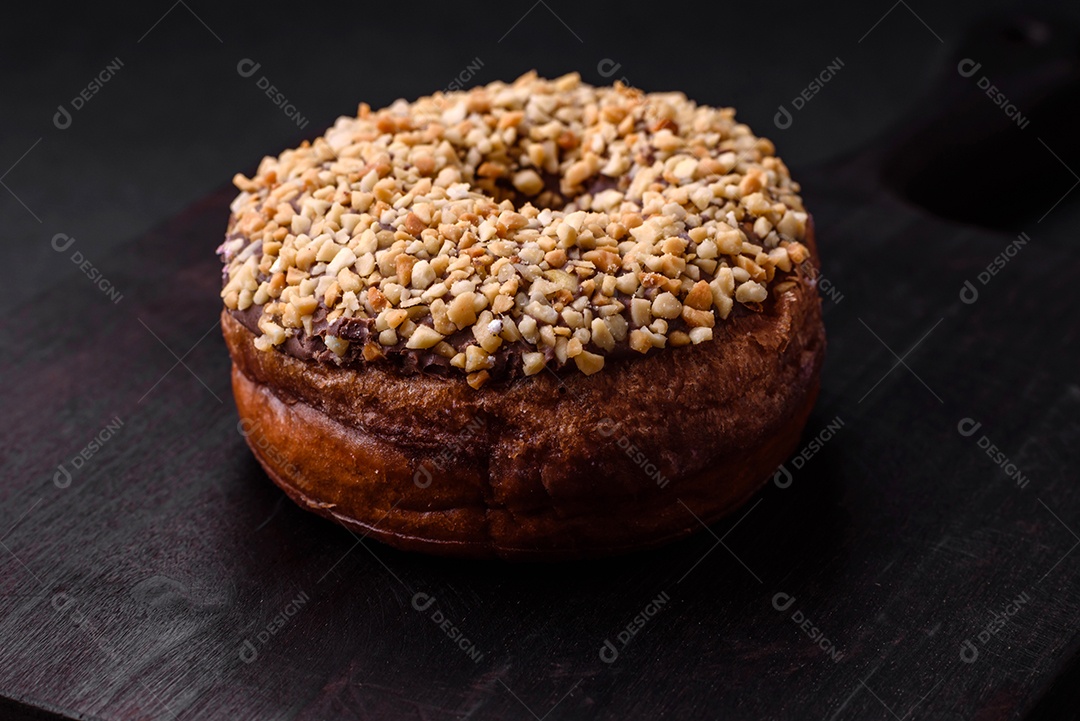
(131, 592)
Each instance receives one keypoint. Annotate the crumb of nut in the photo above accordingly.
(700, 334)
(698, 318)
(666, 305)
(502, 304)
(425, 164)
(792, 225)
(478, 379)
(753, 270)
(556, 258)
(700, 296)
(337, 345)
(601, 335)
(422, 275)
(750, 292)
(462, 310)
(404, 264)
(529, 329)
(294, 276)
(332, 294)
(561, 348)
(578, 173)
(532, 363)
(440, 317)
(604, 259)
(510, 331)
(753, 181)
(445, 350)
(424, 337)
(489, 169)
(653, 280)
(781, 259)
(486, 335)
(641, 341)
(272, 331)
(678, 339)
(395, 317)
(724, 304)
(478, 210)
(290, 318)
(413, 225)
(589, 363)
(349, 281)
(641, 311)
(797, 252)
(548, 336)
(729, 241)
(377, 299)
(528, 182)
(476, 358)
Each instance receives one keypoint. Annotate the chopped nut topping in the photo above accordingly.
(750, 292)
(424, 337)
(589, 363)
(666, 305)
(548, 220)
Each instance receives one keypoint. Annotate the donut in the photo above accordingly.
(534, 320)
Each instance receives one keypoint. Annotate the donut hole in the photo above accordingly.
(552, 196)
(510, 174)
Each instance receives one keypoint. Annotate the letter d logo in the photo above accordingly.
(62, 118)
(967, 67)
(608, 652)
(247, 67)
(422, 601)
(248, 652)
(422, 478)
(246, 426)
(968, 426)
(969, 293)
(61, 602)
(607, 67)
(606, 427)
(62, 477)
(783, 118)
(782, 478)
(968, 652)
(779, 602)
(61, 242)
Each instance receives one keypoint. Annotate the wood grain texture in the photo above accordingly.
(169, 579)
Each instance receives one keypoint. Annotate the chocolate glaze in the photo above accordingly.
(507, 365)
(359, 331)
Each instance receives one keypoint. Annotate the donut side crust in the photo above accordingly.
(549, 467)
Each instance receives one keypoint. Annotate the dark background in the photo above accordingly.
(900, 540)
(178, 120)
